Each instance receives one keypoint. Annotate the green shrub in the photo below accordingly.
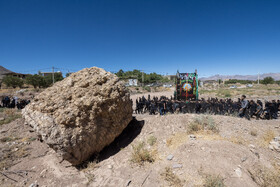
(147, 88)
(12, 81)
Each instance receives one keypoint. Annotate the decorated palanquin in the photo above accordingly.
(186, 86)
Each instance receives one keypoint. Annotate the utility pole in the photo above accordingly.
(53, 74)
(258, 78)
(142, 78)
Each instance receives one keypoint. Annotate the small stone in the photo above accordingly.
(243, 159)
(34, 185)
(177, 165)
(252, 146)
(110, 166)
(43, 172)
(2, 119)
(238, 172)
(192, 137)
(169, 157)
(128, 183)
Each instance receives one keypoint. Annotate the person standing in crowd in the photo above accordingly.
(244, 106)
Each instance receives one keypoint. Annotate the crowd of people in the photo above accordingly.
(242, 108)
(13, 102)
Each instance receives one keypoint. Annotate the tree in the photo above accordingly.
(36, 81)
(49, 79)
(268, 80)
(120, 73)
(12, 81)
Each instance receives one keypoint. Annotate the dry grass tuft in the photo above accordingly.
(152, 140)
(8, 139)
(266, 138)
(140, 154)
(10, 115)
(214, 181)
(265, 177)
(171, 178)
(254, 132)
(203, 122)
(177, 139)
(238, 140)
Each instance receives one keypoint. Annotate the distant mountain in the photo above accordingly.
(276, 76)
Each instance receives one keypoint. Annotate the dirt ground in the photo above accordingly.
(237, 154)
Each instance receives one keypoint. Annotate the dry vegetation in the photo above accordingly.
(213, 181)
(266, 177)
(223, 91)
(203, 123)
(171, 178)
(266, 138)
(141, 154)
(9, 115)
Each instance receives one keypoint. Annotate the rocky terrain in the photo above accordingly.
(152, 151)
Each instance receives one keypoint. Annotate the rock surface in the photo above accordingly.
(275, 144)
(81, 114)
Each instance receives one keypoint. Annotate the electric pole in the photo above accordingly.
(142, 78)
(258, 78)
(53, 74)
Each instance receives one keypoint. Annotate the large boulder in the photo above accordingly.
(81, 114)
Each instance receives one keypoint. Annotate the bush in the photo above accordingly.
(12, 81)
(267, 80)
(214, 181)
(203, 123)
(147, 88)
(171, 178)
(141, 155)
(43, 82)
(227, 95)
(49, 80)
(152, 140)
(36, 81)
(265, 177)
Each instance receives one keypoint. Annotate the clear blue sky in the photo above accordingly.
(214, 36)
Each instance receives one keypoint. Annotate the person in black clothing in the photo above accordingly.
(244, 106)
(259, 110)
(197, 107)
(152, 108)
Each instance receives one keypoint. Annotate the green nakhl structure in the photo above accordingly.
(186, 86)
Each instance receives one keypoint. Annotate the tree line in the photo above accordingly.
(36, 80)
(140, 76)
(266, 80)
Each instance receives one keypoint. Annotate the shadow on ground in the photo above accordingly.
(132, 130)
